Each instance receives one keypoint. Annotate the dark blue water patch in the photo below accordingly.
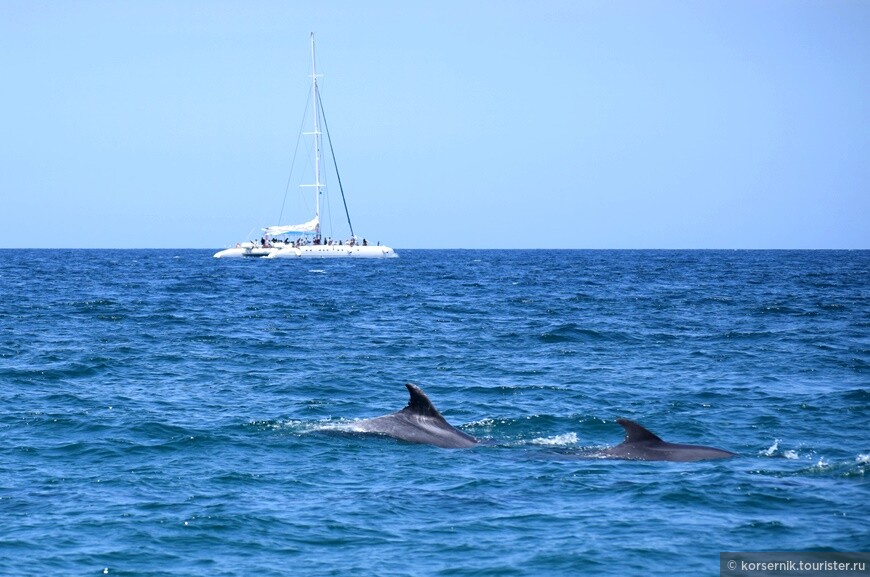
(857, 395)
(572, 333)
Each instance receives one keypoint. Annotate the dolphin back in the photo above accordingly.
(642, 444)
(419, 422)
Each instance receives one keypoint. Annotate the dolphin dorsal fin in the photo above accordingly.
(635, 433)
(419, 404)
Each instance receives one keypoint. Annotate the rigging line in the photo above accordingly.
(293, 162)
(326, 203)
(334, 163)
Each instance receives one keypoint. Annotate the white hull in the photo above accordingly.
(243, 251)
(308, 251)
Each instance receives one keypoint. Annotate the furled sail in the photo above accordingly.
(310, 226)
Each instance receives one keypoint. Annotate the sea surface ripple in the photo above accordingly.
(167, 413)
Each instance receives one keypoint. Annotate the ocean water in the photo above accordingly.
(167, 413)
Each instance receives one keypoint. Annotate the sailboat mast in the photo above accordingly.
(317, 185)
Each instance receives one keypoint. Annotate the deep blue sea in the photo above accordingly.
(167, 413)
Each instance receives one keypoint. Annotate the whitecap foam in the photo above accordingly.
(485, 422)
(863, 458)
(341, 425)
(790, 454)
(566, 440)
(770, 451)
(300, 426)
(822, 464)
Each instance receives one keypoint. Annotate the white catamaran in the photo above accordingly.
(305, 240)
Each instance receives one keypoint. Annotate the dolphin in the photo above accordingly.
(641, 444)
(419, 422)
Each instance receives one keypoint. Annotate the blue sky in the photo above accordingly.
(467, 124)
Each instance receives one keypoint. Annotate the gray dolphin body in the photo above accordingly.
(643, 445)
(419, 422)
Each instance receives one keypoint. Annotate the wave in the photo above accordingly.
(810, 463)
